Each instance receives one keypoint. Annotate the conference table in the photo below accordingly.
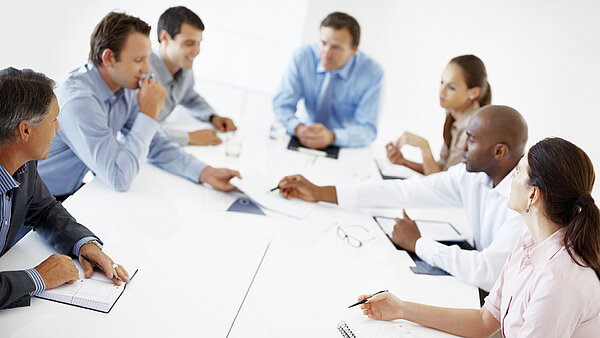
(204, 271)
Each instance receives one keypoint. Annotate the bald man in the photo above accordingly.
(496, 138)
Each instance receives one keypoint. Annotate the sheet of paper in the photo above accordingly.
(394, 170)
(377, 329)
(258, 188)
(439, 231)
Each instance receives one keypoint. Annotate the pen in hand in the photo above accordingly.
(367, 299)
(274, 189)
(99, 267)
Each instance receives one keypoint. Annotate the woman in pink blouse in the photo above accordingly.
(550, 284)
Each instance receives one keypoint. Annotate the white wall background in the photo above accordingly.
(542, 56)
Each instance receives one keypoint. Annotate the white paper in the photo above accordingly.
(439, 231)
(389, 169)
(258, 187)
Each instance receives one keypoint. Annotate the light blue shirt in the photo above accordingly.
(180, 91)
(106, 133)
(356, 95)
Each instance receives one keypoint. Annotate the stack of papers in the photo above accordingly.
(439, 231)
(389, 170)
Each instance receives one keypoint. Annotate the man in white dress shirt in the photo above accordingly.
(496, 139)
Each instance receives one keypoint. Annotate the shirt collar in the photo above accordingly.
(160, 66)
(100, 86)
(463, 120)
(7, 182)
(504, 186)
(541, 253)
(343, 72)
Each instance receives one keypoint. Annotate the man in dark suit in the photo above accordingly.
(28, 111)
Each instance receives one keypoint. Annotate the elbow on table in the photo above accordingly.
(121, 184)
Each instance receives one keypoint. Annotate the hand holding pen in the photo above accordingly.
(364, 298)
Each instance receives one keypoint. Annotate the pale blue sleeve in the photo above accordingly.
(366, 118)
(196, 104)
(289, 93)
(86, 130)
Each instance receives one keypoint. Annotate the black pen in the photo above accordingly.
(367, 299)
(96, 265)
(274, 189)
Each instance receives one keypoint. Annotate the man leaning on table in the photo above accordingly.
(180, 33)
(496, 138)
(108, 126)
(340, 85)
(28, 112)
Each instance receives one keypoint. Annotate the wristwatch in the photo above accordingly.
(98, 244)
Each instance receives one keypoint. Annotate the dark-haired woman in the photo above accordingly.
(550, 284)
(463, 90)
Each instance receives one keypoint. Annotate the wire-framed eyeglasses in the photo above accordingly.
(352, 240)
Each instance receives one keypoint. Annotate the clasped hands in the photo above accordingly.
(394, 152)
(315, 136)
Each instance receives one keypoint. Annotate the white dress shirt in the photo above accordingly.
(495, 227)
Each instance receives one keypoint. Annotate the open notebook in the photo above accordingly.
(95, 293)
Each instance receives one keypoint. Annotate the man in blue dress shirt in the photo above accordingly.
(180, 33)
(28, 122)
(110, 128)
(340, 85)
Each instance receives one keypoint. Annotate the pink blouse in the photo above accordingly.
(542, 292)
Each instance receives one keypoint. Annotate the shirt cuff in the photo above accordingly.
(341, 138)
(347, 195)
(194, 170)
(81, 242)
(40, 286)
(291, 126)
(144, 127)
(427, 249)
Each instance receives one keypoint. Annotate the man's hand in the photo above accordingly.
(93, 252)
(222, 123)
(57, 270)
(384, 306)
(406, 233)
(204, 137)
(315, 136)
(394, 154)
(299, 187)
(151, 97)
(219, 178)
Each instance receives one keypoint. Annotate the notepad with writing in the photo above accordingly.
(375, 329)
(96, 293)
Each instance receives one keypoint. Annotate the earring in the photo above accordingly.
(528, 205)
(470, 97)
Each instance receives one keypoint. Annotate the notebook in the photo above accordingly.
(96, 293)
(375, 329)
(390, 171)
(331, 151)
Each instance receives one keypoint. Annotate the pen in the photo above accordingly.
(275, 188)
(96, 265)
(367, 299)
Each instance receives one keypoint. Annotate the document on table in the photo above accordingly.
(390, 171)
(375, 329)
(96, 293)
(436, 230)
(258, 187)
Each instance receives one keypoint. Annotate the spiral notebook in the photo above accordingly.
(375, 329)
(95, 293)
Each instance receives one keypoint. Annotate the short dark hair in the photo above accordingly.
(112, 32)
(172, 19)
(24, 95)
(339, 20)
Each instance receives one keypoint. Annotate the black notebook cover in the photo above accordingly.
(332, 151)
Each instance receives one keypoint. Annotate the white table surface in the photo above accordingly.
(198, 264)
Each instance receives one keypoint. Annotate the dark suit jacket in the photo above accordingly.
(34, 206)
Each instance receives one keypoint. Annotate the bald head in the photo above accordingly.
(502, 124)
(496, 136)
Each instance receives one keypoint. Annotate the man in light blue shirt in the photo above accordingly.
(107, 126)
(340, 85)
(180, 33)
